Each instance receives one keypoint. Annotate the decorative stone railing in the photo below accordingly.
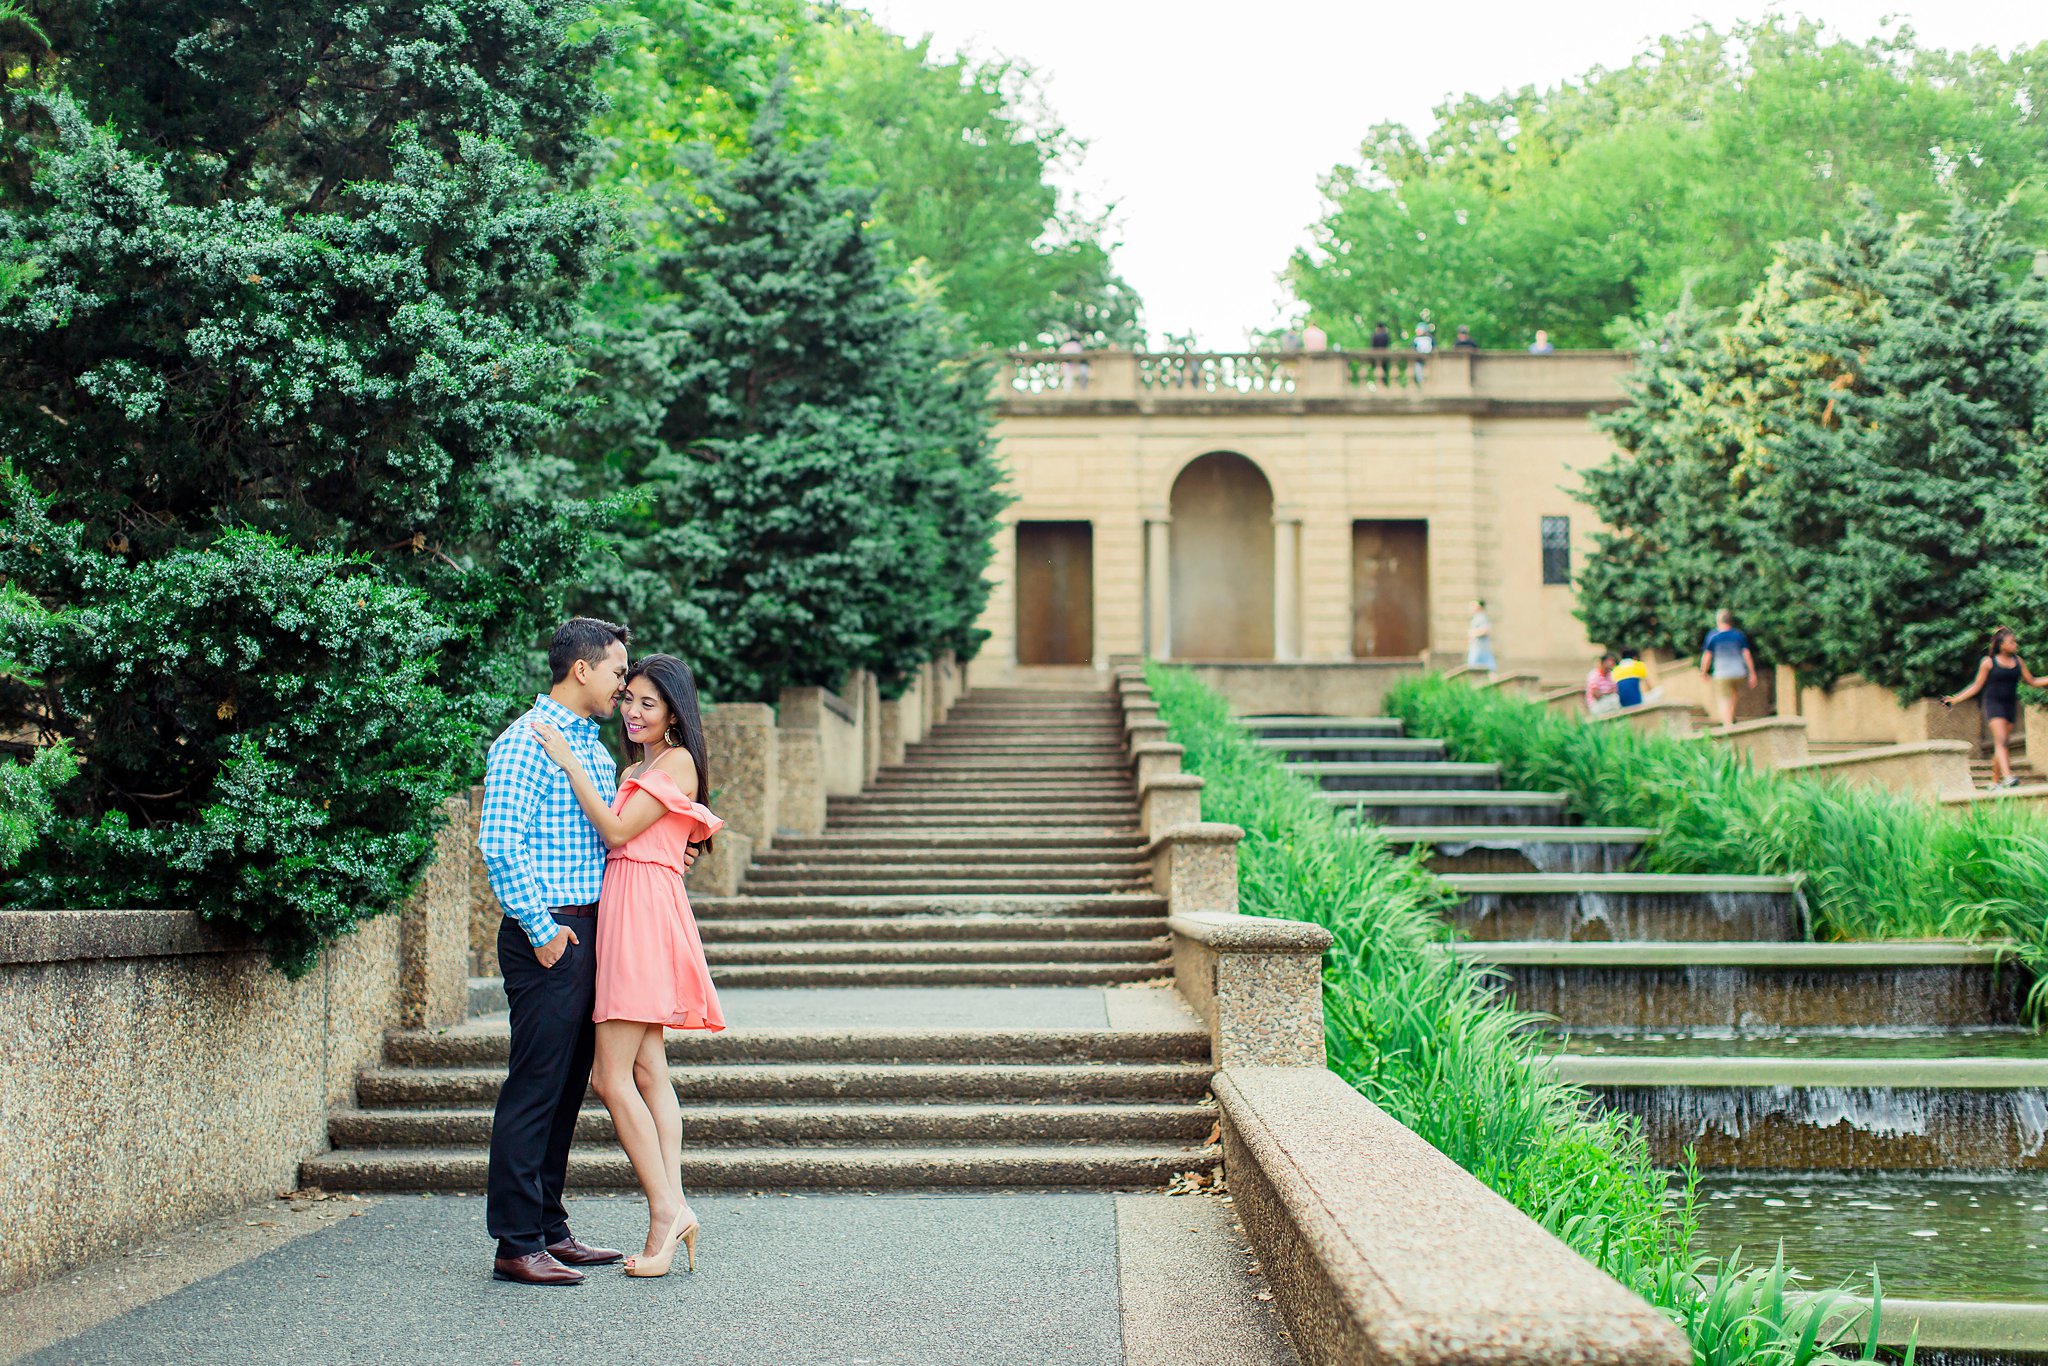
(1167, 377)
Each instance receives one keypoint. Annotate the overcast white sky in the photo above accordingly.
(1211, 122)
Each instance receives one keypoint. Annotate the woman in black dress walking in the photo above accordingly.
(1999, 675)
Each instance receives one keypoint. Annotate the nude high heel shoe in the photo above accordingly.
(659, 1266)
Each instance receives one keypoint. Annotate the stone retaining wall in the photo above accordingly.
(161, 1071)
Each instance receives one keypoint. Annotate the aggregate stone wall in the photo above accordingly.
(159, 1072)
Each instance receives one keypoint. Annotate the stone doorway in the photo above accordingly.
(1389, 589)
(1222, 560)
(1055, 592)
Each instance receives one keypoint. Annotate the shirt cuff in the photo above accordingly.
(540, 926)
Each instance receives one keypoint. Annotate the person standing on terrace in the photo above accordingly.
(1541, 346)
(1999, 675)
(1726, 660)
(1382, 340)
(1479, 639)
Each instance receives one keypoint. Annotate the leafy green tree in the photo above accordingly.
(820, 493)
(289, 297)
(1856, 464)
(1577, 207)
(962, 156)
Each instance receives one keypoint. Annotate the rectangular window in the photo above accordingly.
(1557, 550)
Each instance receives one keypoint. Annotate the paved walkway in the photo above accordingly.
(783, 1280)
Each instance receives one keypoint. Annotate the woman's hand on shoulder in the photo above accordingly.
(553, 743)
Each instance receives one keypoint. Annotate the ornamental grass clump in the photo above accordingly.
(1433, 1042)
(1877, 864)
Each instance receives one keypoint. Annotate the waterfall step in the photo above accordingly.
(1591, 907)
(1321, 727)
(1690, 985)
(1353, 749)
(1402, 777)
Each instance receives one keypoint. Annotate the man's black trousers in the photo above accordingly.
(552, 1042)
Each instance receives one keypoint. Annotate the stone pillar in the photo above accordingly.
(484, 910)
(1159, 587)
(800, 795)
(434, 930)
(1286, 587)
(744, 756)
(870, 728)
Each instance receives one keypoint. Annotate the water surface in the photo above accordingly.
(1932, 1235)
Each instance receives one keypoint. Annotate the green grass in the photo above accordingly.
(1878, 864)
(1431, 1041)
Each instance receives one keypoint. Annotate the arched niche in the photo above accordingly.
(1222, 560)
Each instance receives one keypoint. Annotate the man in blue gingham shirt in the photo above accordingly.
(539, 848)
(546, 863)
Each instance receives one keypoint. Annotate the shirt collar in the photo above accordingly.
(564, 719)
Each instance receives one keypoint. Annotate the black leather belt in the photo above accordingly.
(583, 912)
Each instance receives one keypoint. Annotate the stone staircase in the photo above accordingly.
(935, 984)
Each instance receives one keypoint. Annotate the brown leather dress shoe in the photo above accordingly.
(573, 1251)
(535, 1268)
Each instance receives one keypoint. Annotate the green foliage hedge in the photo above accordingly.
(1431, 1041)
(285, 303)
(1878, 864)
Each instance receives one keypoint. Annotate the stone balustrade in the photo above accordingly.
(1299, 377)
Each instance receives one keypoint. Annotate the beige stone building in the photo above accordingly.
(1313, 506)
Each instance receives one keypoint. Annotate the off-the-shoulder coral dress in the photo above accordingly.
(650, 961)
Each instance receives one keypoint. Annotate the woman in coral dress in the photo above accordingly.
(650, 962)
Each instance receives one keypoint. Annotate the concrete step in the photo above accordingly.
(1890, 984)
(1102, 841)
(1945, 1113)
(1525, 848)
(488, 1042)
(761, 907)
(912, 952)
(896, 929)
(916, 883)
(815, 1124)
(1048, 821)
(1049, 854)
(1626, 906)
(762, 875)
(1116, 1166)
(1045, 974)
(981, 771)
(922, 1082)
(1400, 777)
(1410, 807)
(943, 812)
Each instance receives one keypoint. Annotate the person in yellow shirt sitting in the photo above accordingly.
(1631, 680)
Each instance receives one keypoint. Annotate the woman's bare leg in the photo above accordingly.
(650, 1075)
(618, 1044)
(2001, 748)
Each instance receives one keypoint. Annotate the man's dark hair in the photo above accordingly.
(584, 638)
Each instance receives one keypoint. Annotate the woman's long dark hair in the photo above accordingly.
(678, 688)
(2000, 634)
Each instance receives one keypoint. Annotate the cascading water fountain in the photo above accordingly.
(1868, 1102)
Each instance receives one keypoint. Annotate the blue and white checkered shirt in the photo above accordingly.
(539, 848)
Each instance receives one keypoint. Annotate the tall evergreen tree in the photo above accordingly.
(1855, 464)
(821, 485)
